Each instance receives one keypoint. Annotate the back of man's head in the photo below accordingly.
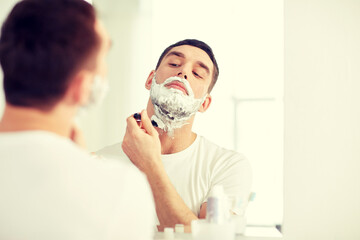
(199, 44)
(43, 44)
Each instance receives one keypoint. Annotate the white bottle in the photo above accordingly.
(215, 210)
(168, 233)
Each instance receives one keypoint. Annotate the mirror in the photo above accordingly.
(246, 113)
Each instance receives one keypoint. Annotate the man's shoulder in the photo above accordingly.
(37, 145)
(75, 157)
(113, 154)
(114, 150)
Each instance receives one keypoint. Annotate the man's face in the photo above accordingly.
(187, 62)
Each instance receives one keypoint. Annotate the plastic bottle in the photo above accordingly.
(169, 233)
(215, 210)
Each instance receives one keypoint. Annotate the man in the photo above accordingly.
(53, 58)
(182, 167)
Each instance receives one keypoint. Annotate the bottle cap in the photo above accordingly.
(179, 228)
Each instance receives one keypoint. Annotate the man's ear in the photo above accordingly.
(206, 104)
(79, 88)
(149, 80)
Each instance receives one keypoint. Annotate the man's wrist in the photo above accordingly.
(156, 175)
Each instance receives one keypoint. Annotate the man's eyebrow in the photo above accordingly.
(175, 53)
(201, 64)
(180, 54)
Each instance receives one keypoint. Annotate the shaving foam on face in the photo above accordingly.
(172, 107)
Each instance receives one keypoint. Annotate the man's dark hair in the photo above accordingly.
(199, 44)
(42, 44)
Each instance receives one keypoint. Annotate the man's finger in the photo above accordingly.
(132, 124)
(137, 117)
(147, 123)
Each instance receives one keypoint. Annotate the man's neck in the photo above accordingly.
(17, 119)
(181, 139)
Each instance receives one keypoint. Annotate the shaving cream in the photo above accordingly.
(171, 106)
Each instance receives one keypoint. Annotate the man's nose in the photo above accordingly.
(181, 74)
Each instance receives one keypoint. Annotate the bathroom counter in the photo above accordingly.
(251, 233)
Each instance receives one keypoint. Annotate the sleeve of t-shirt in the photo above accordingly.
(233, 172)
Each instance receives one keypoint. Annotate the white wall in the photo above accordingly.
(322, 119)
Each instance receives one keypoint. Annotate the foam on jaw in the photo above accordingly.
(172, 107)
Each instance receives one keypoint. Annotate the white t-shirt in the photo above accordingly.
(197, 169)
(51, 189)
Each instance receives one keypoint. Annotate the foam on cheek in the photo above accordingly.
(172, 107)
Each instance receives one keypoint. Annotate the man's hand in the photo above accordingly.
(141, 143)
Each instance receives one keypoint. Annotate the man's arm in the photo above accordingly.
(142, 146)
(170, 207)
